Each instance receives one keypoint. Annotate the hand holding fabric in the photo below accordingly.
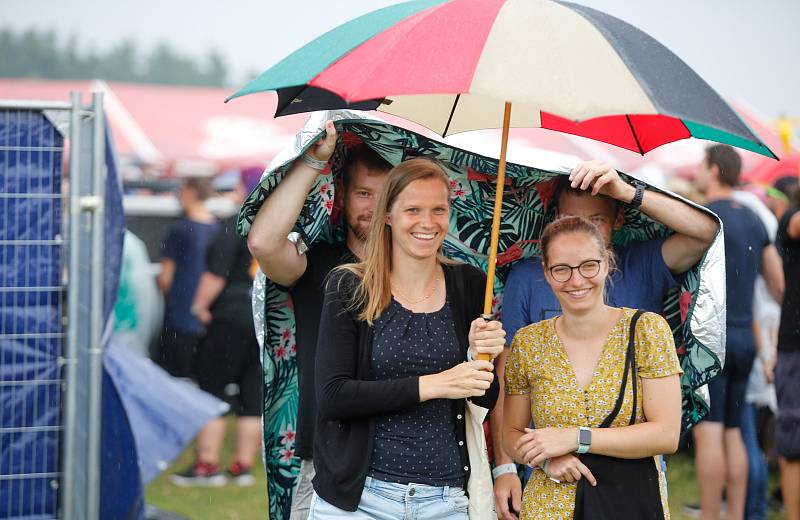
(602, 179)
(323, 149)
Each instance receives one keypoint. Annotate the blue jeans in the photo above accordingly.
(387, 501)
(756, 506)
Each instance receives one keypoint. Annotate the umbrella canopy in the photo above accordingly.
(452, 65)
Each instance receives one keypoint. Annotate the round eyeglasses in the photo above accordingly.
(563, 272)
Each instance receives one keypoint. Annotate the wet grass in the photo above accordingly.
(230, 502)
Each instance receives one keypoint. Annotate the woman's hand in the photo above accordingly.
(468, 379)
(486, 337)
(568, 468)
(536, 446)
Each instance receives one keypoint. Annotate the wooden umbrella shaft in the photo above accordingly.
(498, 205)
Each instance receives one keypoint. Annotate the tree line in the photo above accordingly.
(40, 54)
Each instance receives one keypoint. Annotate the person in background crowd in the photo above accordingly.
(229, 354)
(787, 370)
(289, 265)
(760, 396)
(721, 457)
(182, 263)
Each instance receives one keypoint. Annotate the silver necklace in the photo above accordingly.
(431, 292)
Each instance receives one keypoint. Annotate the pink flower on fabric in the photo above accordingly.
(685, 301)
(511, 254)
(329, 204)
(350, 140)
(324, 188)
(287, 455)
(288, 436)
(286, 334)
(281, 353)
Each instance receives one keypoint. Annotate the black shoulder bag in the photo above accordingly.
(627, 489)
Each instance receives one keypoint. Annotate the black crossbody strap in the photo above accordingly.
(632, 356)
(630, 366)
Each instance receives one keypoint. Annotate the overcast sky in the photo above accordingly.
(744, 48)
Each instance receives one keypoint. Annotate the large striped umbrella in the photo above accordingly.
(459, 65)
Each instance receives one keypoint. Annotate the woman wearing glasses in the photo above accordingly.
(566, 374)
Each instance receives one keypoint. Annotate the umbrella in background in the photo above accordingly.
(459, 65)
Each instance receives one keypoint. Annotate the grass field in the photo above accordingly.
(250, 503)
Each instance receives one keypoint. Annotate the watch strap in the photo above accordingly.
(584, 440)
(639, 195)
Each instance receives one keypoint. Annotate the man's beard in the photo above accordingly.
(360, 229)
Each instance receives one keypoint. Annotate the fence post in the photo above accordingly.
(69, 440)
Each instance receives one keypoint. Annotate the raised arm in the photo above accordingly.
(694, 229)
(276, 255)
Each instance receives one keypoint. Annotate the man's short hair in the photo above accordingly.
(201, 185)
(728, 162)
(363, 154)
(564, 187)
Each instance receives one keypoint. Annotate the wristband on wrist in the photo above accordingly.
(639, 195)
(544, 466)
(314, 163)
(502, 469)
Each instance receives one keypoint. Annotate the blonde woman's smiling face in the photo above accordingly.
(419, 218)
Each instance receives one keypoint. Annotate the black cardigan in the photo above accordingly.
(349, 397)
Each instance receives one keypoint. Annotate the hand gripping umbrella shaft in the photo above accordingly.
(495, 237)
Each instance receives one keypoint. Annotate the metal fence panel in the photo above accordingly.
(32, 333)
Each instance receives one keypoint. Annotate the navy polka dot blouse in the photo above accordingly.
(418, 444)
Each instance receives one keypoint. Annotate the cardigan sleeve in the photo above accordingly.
(340, 394)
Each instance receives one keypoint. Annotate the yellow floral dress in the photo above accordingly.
(538, 366)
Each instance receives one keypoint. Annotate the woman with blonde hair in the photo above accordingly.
(602, 387)
(398, 335)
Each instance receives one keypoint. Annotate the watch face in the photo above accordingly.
(585, 437)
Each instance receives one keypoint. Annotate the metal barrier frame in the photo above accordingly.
(79, 489)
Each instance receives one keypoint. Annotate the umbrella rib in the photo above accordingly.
(635, 137)
(452, 112)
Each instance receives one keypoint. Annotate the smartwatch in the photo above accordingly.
(584, 439)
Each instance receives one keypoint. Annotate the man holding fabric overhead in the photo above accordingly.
(303, 272)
